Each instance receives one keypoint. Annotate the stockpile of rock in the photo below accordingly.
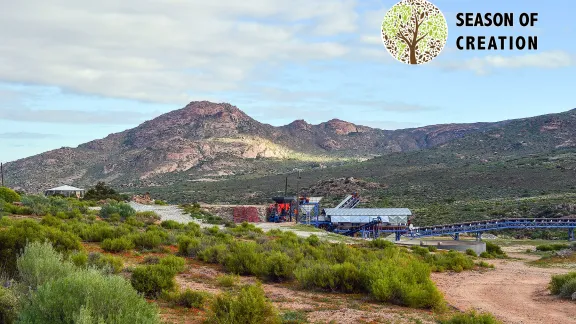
(246, 214)
(144, 199)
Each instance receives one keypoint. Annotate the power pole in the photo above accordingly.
(2, 173)
(286, 187)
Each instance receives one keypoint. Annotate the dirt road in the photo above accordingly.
(514, 292)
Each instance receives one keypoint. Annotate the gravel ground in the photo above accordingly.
(165, 212)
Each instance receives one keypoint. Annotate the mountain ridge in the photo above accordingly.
(219, 138)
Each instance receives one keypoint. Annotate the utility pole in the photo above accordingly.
(2, 173)
(286, 187)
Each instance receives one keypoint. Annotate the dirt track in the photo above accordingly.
(514, 292)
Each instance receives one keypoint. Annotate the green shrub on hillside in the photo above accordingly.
(147, 217)
(112, 207)
(8, 306)
(105, 263)
(171, 224)
(557, 282)
(9, 195)
(152, 280)
(173, 262)
(249, 306)
(552, 247)
(90, 296)
(40, 263)
(471, 253)
(188, 298)
(117, 245)
(494, 250)
(14, 238)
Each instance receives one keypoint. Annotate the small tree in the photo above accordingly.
(101, 192)
(9, 195)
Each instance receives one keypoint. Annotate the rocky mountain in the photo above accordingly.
(207, 140)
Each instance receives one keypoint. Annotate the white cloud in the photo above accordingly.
(159, 50)
(484, 65)
(61, 116)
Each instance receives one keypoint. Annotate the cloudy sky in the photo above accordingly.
(76, 70)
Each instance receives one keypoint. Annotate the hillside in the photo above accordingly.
(206, 141)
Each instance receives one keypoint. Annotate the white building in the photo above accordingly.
(66, 191)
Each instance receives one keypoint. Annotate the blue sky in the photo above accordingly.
(76, 70)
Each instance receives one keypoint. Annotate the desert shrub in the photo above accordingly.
(160, 202)
(494, 250)
(451, 260)
(88, 295)
(568, 288)
(193, 229)
(471, 253)
(171, 224)
(105, 263)
(8, 306)
(9, 195)
(343, 277)
(249, 306)
(215, 254)
(484, 264)
(103, 192)
(422, 251)
(404, 282)
(173, 262)
(188, 246)
(552, 247)
(40, 263)
(278, 266)
(380, 243)
(147, 217)
(79, 259)
(14, 239)
(470, 318)
(558, 281)
(313, 240)
(485, 255)
(112, 207)
(245, 229)
(50, 220)
(117, 245)
(152, 280)
(132, 221)
(147, 240)
(227, 281)
(432, 248)
(243, 258)
(189, 298)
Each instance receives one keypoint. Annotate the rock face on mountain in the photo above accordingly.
(219, 138)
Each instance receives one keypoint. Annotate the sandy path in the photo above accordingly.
(514, 292)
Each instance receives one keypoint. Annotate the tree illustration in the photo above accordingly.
(414, 31)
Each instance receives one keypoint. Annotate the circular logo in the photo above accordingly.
(414, 31)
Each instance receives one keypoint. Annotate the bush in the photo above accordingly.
(568, 288)
(102, 192)
(188, 246)
(112, 207)
(105, 263)
(147, 217)
(451, 260)
(494, 250)
(148, 240)
(278, 266)
(8, 306)
(558, 281)
(313, 240)
(117, 245)
(160, 202)
(89, 296)
(152, 280)
(9, 195)
(40, 263)
(79, 259)
(14, 239)
(189, 299)
(471, 252)
(432, 248)
(471, 318)
(249, 306)
(227, 281)
(380, 243)
(170, 224)
(552, 247)
(243, 259)
(173, 262)
(485, 255)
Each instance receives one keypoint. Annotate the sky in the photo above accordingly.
(76, 70)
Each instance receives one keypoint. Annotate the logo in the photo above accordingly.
(414, 31)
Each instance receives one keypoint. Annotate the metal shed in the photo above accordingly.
(392, 216)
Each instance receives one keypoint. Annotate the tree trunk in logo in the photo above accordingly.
(413, 55)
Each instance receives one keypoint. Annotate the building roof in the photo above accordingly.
(368, 212)
(65, 188)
